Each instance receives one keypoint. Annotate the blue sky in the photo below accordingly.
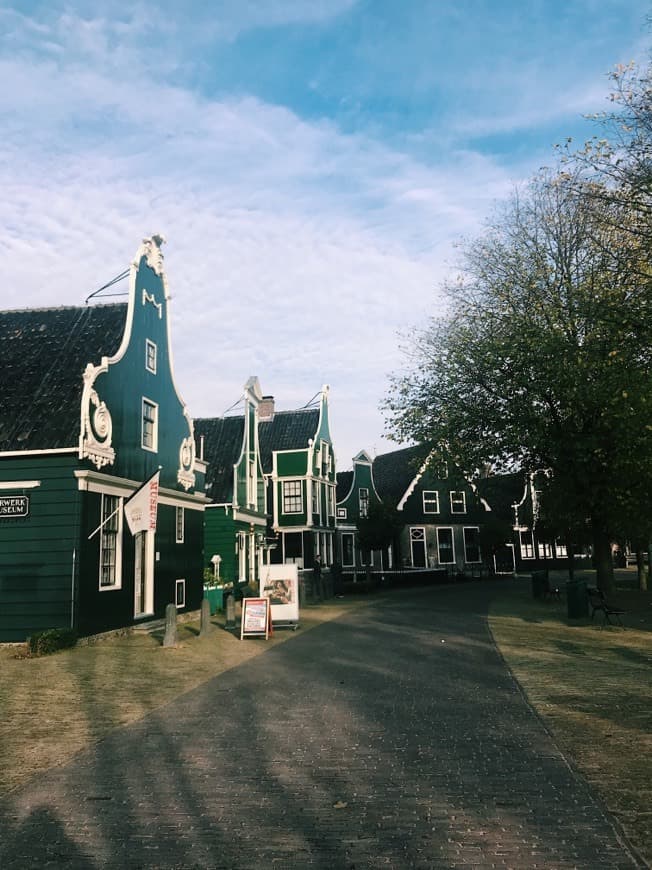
(311, 163)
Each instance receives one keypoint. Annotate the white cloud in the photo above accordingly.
(295, 252)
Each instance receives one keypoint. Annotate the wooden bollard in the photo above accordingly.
(230, 612)
(170, 637)
(205, 624)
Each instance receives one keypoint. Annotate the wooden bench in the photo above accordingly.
(599, 604)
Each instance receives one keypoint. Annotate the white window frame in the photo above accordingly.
(180, 524)
(289, 497)
(432, 499)
(315, 500)
(151, 355)
(350, 564)
(456, 502)
(145, 405)
(330, 498)
(544, 550)
(439, 559)
(180, 600)
(341, 513)
(115, 504)
(479, 559)
(526, 548)
(363, 499)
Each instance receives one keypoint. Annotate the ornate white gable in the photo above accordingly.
(96, 424)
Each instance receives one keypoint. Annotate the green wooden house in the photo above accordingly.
(271, 485)
(356, 491)
(235, 521)
(443, 513)
(298, 455)
(89, 412)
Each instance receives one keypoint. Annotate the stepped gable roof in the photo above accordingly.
(288, 430)
(43, 355)
(344, 481)
(223, 438)
(395, 471)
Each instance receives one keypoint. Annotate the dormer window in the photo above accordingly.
(150, 356)
(150, 426)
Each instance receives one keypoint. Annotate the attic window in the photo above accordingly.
(363, 501)
(150, 356)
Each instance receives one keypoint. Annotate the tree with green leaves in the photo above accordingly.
(544, 360)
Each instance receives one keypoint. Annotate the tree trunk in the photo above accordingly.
(570, 550)
(643, 581)
(602, 556)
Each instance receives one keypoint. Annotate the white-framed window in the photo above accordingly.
(430, 501)
(527, 544)
(180, 593)
(445, 547)
(252, 482)
(325, 458)
(241, 549)
(292, 497)
(458, 502)
(330, 496)
(315, 496)
(471, 544)
(348, 549)
(150, 356)
(111, 542)
(544, 550)
(341, 513)
(440, 469)
(180, 525)
(150, 426)
(363, 501)
(561, 550)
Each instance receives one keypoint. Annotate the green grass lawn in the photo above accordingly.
(593, 688)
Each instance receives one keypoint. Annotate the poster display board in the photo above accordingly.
(280, 585)
(256, 618)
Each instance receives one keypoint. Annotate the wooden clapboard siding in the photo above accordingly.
(38, 551)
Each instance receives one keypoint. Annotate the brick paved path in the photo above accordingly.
(393, 737)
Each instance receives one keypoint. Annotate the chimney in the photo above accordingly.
(266, 408)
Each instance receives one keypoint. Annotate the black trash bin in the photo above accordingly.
(539, 584)
(577, 599)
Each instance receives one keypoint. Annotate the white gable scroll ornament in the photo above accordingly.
(185, 475)
(96, 424)
(141, 508)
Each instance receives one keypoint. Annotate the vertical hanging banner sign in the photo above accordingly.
(141, 508)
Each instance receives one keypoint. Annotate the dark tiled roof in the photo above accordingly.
(344, 481)
(222, 447)
(43, 354)
(288, 430)
(501, 491)
(394, 472)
